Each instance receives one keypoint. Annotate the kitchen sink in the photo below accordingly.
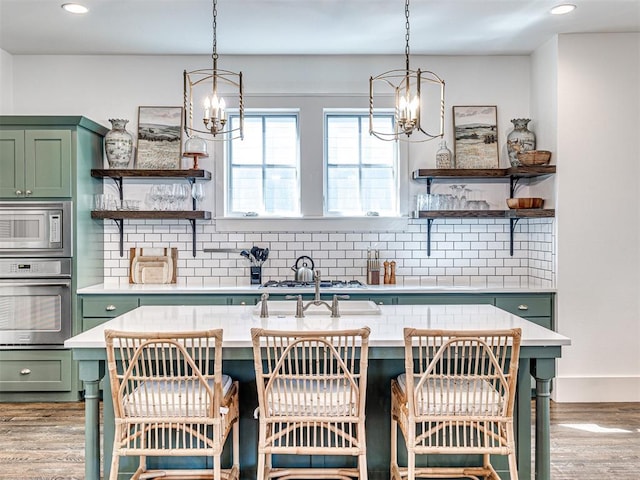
(347, 307)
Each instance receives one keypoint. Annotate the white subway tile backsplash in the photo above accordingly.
(464, 252)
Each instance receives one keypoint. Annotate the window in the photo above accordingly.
(262, 169)
(361, 171)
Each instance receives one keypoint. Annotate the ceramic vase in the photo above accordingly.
(118, 144)
(444, 157)
(520, 139)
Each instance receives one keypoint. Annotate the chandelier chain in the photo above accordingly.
(406, 37)
(214, 26)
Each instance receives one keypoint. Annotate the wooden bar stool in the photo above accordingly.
(311, 399)
(170, 398)
(456, 397)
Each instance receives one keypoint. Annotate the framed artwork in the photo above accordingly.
(476, 136)
(159, 137)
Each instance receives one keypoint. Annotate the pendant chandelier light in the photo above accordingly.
(410, 89)
(205, 88)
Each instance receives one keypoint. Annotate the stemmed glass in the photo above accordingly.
(457, 191)
(197, 192)
(183, 194)
(156, 196)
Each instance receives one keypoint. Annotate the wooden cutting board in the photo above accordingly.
(153, 265)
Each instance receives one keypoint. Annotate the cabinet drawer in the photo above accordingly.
(526, 306)
(108, 307)
(89, 323)
(35, 371)
(542, 321)
(182, 300)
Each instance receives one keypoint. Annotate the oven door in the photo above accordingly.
(35, 229)
(35, 312)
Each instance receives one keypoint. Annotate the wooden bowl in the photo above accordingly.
(534, 157)
(520, 203)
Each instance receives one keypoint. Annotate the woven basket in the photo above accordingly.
(535, 157)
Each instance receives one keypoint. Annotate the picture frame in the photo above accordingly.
(159, 138)
(475, 130)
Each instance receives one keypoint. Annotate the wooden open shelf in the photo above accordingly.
(118, 216)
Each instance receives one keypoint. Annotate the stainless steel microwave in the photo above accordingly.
(36, 229)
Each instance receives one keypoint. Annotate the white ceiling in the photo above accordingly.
(182, 27)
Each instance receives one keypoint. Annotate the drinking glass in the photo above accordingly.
(197, 192)
(156, 196)
(183, 194)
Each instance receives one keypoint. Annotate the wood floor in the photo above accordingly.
(45, 441)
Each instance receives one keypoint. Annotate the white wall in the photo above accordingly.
(598, 216)
(6, 83)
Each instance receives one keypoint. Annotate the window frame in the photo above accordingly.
(363, 119)
(228, 168)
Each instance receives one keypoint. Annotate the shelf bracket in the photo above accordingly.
(513, 222)
(429, 222)
(118, 182)
(120, 224)
(192, 221)
(429, 180)
(513, 180)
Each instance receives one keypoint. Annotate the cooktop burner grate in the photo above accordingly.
(323, 284)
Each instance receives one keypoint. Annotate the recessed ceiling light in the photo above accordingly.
(75, 8)
(562, 9)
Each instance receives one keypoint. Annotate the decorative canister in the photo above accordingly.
(118, 144)
(519, 140)
(444, 157)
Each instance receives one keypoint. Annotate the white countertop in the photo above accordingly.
(386, 328)
(178, 289)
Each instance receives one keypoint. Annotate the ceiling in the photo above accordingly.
(263, 27)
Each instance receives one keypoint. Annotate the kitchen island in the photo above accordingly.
(540, 348)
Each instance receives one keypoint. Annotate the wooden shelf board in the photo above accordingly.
(534, 171)
(151, 214)
(521, 213)
(149, 173)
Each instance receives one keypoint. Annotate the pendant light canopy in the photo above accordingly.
(205, 107)
(413, 91)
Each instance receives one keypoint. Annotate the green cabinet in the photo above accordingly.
(99, 309)
(27, 375)
(35, 163)
(536, 308)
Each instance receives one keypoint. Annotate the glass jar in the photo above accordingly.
(444, 157)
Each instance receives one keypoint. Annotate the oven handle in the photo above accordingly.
(38, 284)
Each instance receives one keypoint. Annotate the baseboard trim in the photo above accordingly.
(596, 389)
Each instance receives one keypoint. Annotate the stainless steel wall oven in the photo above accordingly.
(35, 274)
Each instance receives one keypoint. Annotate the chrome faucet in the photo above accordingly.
(264, 310)
(299, 305)
(335, 310)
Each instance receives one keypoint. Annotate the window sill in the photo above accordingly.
(311, 224)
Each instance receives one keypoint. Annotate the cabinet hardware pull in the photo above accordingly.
(28, 192)
(25, 371)
(380, 302)
(243, 303)
(18, 192)
(523, 307)
(110, 308)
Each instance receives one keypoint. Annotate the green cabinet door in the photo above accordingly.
(11, 163)
(48, 163)
(35, 163)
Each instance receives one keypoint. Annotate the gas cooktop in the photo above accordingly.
(323, 284)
